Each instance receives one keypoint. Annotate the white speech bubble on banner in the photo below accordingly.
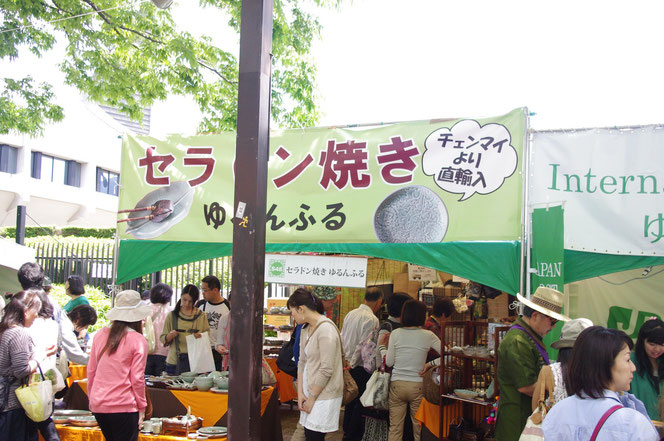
(469, 158)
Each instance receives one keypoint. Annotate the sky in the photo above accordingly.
(574, 64)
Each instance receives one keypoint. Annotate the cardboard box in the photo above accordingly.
(402, 284)
(499, 307)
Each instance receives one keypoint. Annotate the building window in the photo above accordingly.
(107, 182)
(8, 158)
(61, 171)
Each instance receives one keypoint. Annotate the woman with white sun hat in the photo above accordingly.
(116, 382)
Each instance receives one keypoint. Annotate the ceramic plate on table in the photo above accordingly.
(216, 390)
(213, 431)
(72, 412)
(83, 421)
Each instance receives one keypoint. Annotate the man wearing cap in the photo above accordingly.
(521, 355)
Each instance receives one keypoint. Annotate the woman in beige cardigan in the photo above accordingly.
(320, 372)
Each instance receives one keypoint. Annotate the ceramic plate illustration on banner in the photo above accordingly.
(182, 197)
(413, 214)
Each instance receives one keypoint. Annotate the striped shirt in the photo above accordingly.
(15, 352)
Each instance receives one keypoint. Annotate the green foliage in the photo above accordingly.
(99, 233)
(130, 54)
(81, 246)
(29, 231)
(25, 107)
(97, 298)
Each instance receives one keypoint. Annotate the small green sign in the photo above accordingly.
(277, 268)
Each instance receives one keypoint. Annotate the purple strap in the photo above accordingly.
(539, 347)
(602, 420)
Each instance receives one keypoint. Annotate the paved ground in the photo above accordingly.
(289, 419)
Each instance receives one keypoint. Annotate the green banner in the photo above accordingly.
(547, 253)
(414, 182)
(547, 258)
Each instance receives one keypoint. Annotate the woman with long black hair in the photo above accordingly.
(649, 362)
(116, 382)
(185, 319)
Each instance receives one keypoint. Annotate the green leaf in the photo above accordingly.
(129, 55)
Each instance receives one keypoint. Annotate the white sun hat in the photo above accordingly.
(547, 301)
(128, 307)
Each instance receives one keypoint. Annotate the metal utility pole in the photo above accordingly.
(253, 118)
(20, 224)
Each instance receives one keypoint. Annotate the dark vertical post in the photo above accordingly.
(20, 224)
(246, 346)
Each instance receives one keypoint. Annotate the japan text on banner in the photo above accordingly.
(612, 183)
(547, 248)
(296, 269)
(414, 182)
(547, 258)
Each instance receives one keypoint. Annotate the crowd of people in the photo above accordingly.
(36, 332)
(593, 391)
(401, 345)
(602, 385)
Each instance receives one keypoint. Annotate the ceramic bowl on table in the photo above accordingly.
(214, 374)
(188, 376)
(203, 383)
(221, 383)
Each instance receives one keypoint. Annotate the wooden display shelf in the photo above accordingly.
(470, 357)
(467, 400)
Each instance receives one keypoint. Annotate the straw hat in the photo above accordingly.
(570, 332)
(547, 301)
(128, 307)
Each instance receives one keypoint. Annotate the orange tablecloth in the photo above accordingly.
(208, 405)
(71, 433)
(78, 372)
(285, 384)
(429, 415)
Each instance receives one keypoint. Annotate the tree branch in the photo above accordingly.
(212, 69)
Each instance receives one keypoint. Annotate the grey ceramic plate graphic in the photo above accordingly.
(182, 196)
(413, 214)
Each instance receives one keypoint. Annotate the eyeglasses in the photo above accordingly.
(553, 321)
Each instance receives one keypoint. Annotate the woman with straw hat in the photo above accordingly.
(116, 382)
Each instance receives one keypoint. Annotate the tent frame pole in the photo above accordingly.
(252, 152)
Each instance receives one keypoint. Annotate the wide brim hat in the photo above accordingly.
(570, 332)
(128, 307)
(547, 301)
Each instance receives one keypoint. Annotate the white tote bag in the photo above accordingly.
(200, 353)
(367, 398)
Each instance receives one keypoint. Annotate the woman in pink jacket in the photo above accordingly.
(116, 382)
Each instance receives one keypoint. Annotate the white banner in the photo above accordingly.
(300, 269)
(611, 182)
(610, 300)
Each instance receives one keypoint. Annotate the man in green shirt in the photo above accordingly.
(521, 355)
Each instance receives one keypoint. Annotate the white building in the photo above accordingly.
(70, 175)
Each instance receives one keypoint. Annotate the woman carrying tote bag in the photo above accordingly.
(17, 361)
